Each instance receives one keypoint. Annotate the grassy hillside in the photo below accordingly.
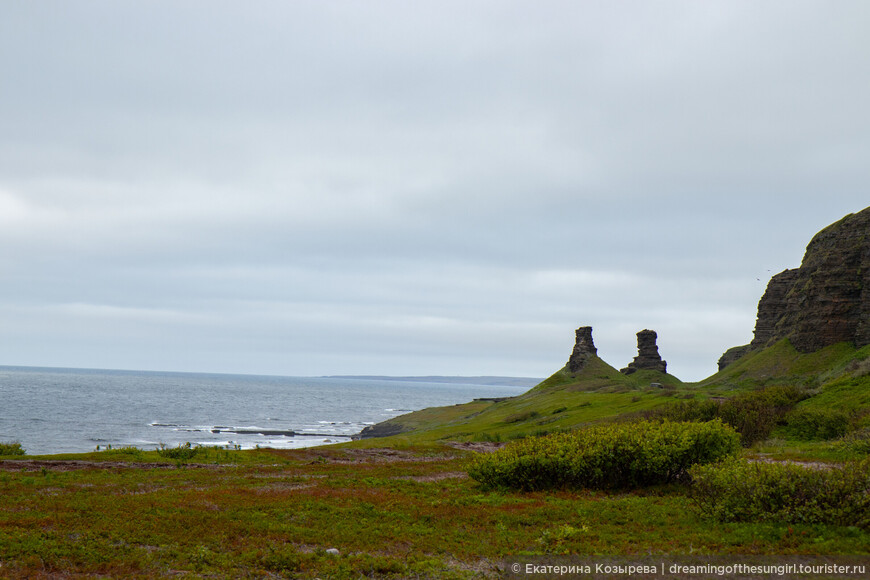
(836, 378)
(781, 364)
(561, 402)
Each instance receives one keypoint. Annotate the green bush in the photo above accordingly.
(624, 455)
(857, 442)
(694, 410)
(182, 452)
(12, 448)
(817, 424)
(488, 437)
(743, 491)
(753, 414)
(521, 416)
(756, 413)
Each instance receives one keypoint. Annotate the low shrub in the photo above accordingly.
(182, 452)
(126, 451)
(624, 455)
(694, 410)
(753, 414)
(857, 442)
(744, 491)
(488, 437)
(11, 448)
(859, 368)
(521, 416)
(817, 424)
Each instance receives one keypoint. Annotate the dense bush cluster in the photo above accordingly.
(817, 424)
(690, 410)
(625, 455)
(753, 414)
(743, 491)
(857, 442)
(11, 448)
(183, 451)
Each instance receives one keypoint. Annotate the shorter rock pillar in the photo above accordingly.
(647, 354)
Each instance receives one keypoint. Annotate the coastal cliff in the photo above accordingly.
(823, 302)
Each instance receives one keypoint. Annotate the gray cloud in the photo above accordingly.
(392, 187)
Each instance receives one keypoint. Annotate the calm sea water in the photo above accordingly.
(75, 410)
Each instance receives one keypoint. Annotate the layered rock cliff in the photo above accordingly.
(826, 300)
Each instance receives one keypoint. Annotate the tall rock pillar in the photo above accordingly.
(584, 348)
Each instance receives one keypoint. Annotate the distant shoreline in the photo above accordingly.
(470, 380)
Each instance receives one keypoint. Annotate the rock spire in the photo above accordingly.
(584, 349)
(647, 354)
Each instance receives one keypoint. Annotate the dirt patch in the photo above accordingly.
(808, 464)
(436, 476)
(379, 456)
(76, 464)
(484, 568)
(282, 488)
(478, 446)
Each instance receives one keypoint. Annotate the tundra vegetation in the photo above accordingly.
(768, 456)
(609, 456)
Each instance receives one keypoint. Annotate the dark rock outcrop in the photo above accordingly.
(731, 355)
(647, 354)
(584, 348)
(381, 430)
(826, 300)
(772, 307)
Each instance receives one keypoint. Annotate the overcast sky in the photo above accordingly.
(394, 187)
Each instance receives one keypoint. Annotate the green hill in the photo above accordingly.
(832, 382)
(561, 402)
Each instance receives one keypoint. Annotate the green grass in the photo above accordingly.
(251, 514)
(781, 364)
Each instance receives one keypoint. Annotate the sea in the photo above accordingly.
(52, 410)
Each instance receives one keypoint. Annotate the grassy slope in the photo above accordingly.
(837, 377)
(563, 401)
(781, 364)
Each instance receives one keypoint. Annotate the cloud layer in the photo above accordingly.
(414, 188)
